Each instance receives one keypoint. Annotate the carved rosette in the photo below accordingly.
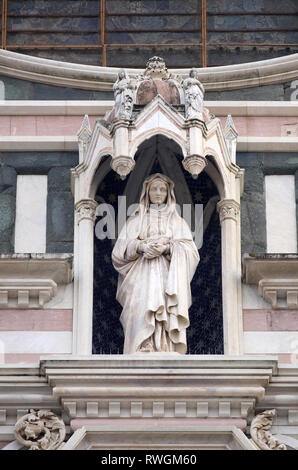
(260, 432)
(40, 430)
(86, 209)
(194, 164)
(228, 209)
(122, 165)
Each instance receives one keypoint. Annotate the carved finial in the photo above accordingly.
(156, 68)
(231, 135)
(230, 125)
(260, 432)
(40, 430)
(85, 124)
(84, 136)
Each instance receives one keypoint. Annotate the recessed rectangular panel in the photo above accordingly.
(31, 214)
(281, 214)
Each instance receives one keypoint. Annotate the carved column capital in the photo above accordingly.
(86, 209)
(40, 430)
(228, 209)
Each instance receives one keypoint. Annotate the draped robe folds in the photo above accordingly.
(155, 293)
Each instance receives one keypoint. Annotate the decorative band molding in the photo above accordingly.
(86, 209)
(216, 408)
(228, 209)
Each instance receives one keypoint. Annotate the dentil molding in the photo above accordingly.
(158, 386)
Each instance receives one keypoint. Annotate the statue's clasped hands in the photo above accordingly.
(154, 248)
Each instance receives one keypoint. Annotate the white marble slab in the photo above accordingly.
(63, 298)
(251, 299)
(273, 342)
(281, 214)
(2, 90)
(35, 342)
(31, 214)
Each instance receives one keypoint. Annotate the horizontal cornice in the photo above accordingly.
(53, 72)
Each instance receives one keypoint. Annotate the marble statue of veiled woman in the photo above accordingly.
(156, 259)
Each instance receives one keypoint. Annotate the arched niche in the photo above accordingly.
(161, 154)
(181, 139)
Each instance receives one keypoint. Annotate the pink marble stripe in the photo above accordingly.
(41, 125)
(36, 320)
(23, 358)
(270, 320)
(79, 422)
(282, 358)
(260, 126)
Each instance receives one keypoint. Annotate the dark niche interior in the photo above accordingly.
(205, 333)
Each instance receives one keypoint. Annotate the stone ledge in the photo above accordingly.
(276, 276)
(159, 385)
(158, 437)
(119, 362)
(30, 280)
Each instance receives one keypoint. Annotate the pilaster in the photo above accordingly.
(83, 263)
(229, 213)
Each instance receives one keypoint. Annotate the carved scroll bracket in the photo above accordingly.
(260, 432)
(40, 430)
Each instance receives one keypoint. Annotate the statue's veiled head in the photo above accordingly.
(158, 189)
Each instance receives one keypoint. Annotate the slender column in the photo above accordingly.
(229, 211)
(238, 183)
(83, 269)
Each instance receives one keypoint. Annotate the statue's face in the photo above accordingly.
(158, 192)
